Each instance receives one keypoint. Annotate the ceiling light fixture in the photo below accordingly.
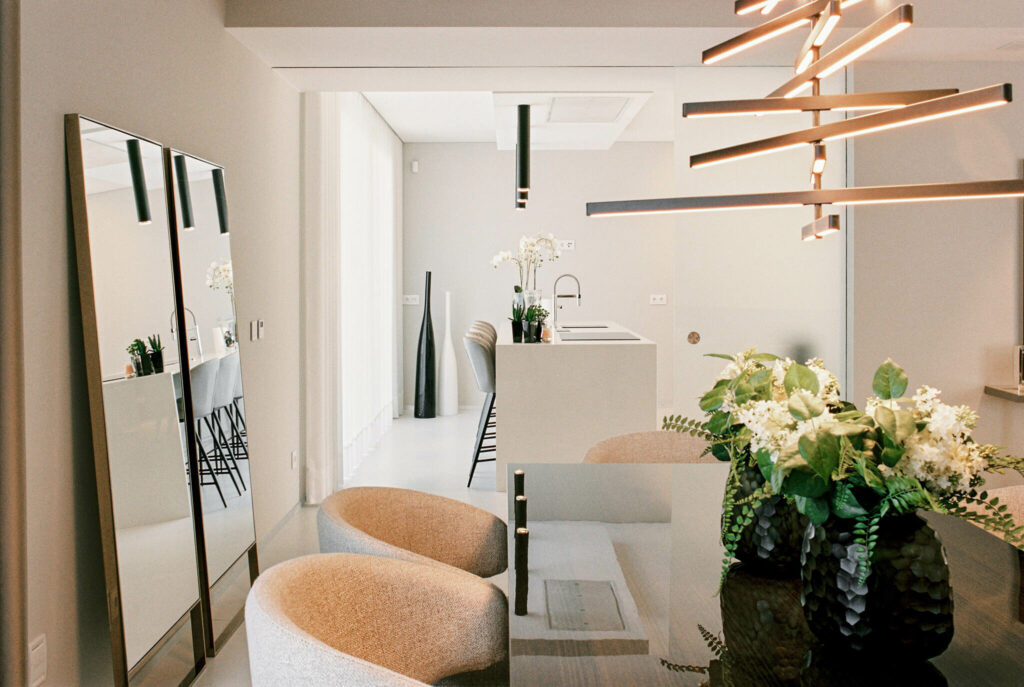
(138, 174)
(864, 42)
(220, 197)
(948, 106)
(743, 7)
(842, 102)
(898, 109)
(522, 156)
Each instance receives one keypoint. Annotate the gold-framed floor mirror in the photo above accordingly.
(171, 446)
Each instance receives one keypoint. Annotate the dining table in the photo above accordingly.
(616, 577)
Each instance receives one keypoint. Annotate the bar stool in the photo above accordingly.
(481, 356)
(204, 378)
(238, 447)
(224, 396)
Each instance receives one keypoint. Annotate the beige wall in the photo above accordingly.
(459, 212)
(168, 71)
(937, 286)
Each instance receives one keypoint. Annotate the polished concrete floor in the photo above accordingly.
(429, 455)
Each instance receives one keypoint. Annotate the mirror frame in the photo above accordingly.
(122, 672)
(214, 643)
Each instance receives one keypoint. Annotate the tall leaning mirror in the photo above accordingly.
(206, 334)
(119, 205)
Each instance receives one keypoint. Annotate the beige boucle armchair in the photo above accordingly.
(342, 619)
(413, 526)
(650, 447)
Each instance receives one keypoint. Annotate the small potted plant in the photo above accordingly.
(156, 353)
(140, 358)
(535, 316)
(518, 313)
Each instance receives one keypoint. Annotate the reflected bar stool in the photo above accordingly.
(227, 402)
(223, 396)
(481, 357)
(204, 379)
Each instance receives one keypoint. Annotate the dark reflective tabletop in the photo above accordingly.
(651, 533)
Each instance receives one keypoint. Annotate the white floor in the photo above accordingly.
(429, 455)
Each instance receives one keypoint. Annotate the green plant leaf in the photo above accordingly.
(890, 380)
(804, 406)
(848, 429)
(821, 452)
(801, 377)
(723, 356)
(844, 504)
(718, 423)
(764, 357)
(815, 509)
(892, 455)
(713, 399)
(805, 483)
(765, 464)
(720, 452)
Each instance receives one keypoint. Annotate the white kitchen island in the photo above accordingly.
(556, 400)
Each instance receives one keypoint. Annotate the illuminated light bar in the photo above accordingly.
(770, 6)
(867, 40)
(823, 28)
(820, 228)
(776, 27)
(948, 106)
(814, 103)
(866, 195)
(750, 6)
(820, 158)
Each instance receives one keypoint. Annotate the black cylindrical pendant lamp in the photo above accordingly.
(184, 194)
(221, 198)
(138, 180)
(523, 155)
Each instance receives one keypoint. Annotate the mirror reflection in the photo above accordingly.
(219, 409)
(133, 293)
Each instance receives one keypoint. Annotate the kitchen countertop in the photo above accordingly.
(505, 335)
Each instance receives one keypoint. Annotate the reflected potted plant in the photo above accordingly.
(535, 316)
(156, 353)
(141, 363)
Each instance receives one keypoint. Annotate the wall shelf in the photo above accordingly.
(1007, 393)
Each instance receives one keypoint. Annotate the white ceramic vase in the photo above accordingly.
(448, 393)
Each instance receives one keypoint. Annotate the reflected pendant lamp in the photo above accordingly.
(184, 195)
(138, 180)
(221, 199)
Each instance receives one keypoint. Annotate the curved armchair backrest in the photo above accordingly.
(227, 378)
(413, 525)
(204, 381)
(481, 357)
(487, 329)
(650, 447)
(343, 619)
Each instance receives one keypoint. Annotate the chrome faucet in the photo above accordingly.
(555, 306)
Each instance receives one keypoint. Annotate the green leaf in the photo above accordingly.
(844, 503)
(713, 399)
(815, 509)
(764, 357)
(801, 377)
(848, 429)
(804, 406)
(718, 423)
(821, 452)
(805, 483)
(720, 452)
(899, 425)
(892, 455)
(765, 464)
(744, 392)
(890, 380)
(723, 356)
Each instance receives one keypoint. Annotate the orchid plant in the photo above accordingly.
(533, 252)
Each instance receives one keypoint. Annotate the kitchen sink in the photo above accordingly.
(597, 336)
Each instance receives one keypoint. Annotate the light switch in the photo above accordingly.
(259, 329)
(411, 299)
(659, 299)
(566, 244)
(252, 330)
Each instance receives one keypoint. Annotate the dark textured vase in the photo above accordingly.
(157, 358)
(771, 543)
(763, 627)
(426, 369)
(905, 608)
(517, 331)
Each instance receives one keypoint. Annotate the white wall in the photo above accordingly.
(459, 212)
(938, 285)
(170, 72)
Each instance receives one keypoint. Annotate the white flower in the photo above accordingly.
(941, 464)
(220, 277)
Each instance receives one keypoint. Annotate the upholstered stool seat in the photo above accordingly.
(413, 526)
(341, 619)
(650, 447)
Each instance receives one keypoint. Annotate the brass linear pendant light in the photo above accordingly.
(889, 111)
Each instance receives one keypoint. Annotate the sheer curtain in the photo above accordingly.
(351, 285)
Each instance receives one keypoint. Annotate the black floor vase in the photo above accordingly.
(426, 370)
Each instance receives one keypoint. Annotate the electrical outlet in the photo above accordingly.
(411, 299)
(659, 299)
(295, 459)
(259, 329)
(37, 661)
(566, 244)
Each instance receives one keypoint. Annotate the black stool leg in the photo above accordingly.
(481, 432)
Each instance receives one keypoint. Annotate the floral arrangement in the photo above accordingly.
(832, 460)
(533, 252)
(220, 277)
